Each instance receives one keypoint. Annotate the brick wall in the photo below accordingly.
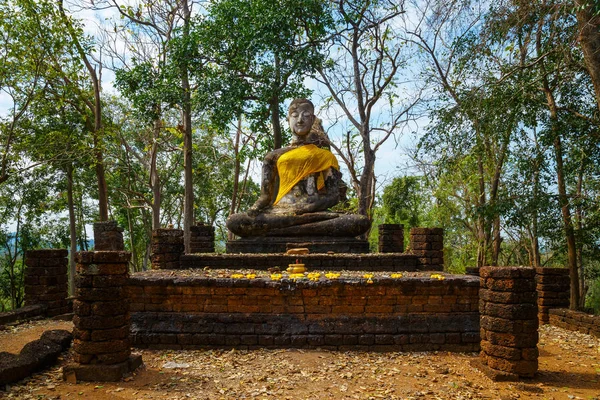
(46, 280)
(334, 262)
(407, 314)
(575, 321)
(553, 288)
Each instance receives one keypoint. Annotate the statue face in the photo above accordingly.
(301, 119)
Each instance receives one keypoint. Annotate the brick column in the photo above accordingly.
(46, 281)
(509, 324)
(391, 238)
(167, 247)
(202, 239)
(101, 345)
(553, 288)
(428, 245)
(108, 236)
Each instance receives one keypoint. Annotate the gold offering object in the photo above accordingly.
(296, 269)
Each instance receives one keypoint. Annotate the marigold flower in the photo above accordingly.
(438, 277)
(332, 275)
(276, 277)
(250, 276)
(368, 276)
(237, 276)
(314, 276)
(396, 276)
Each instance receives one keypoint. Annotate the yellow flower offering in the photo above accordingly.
(296, 276)
(250, 276)
(276, 277)
(438, 277)
(332, 275)
(237, 276)
(396, 276)
(314, 276)
(368, 276)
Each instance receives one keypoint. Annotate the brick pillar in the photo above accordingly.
(108, 236)
(391, 238)
(46, 281)
(167, 247)
(509, 324)
(202, 239)
(553, 289)
(101, 345)
(428, 244)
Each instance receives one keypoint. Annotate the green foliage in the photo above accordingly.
(254, 55)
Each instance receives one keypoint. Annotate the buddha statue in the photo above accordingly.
(300, 183)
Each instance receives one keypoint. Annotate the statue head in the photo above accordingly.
(301, 116)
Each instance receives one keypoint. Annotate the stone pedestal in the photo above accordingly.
(428, 245)
(167, 247)
(46, 281)
(101, 345)
(317, 244)
(509, 323)
(553, 288)
(202, 238)
(108, 236)
(391, 238)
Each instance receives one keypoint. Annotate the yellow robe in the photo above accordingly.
(299, 163)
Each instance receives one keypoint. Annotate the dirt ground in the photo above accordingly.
(569, 369)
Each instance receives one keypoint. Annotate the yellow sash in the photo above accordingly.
(299, 163)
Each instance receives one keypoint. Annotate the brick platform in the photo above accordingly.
(187, 311)
(509, 324)
(334, 262)
(553, 288)
(268, 244)
(46, 280)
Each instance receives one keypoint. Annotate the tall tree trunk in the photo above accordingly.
(236, 170)
(589, 38)
(72, 228)
(535, 244)
(276, 123)
(154, 177)
(366, 181)
(568, 224)
(275, 118)
(96, 109)
(188, 203)
(579, 225)
(481, 219)
(563, 199)
(134, 258)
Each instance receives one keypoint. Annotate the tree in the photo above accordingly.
(257, 55)
(146, 78)
(588, 18)
(363, 76)
(75, 32)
